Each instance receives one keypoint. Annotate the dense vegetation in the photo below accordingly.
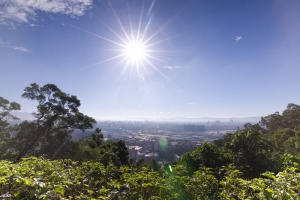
(40, 161)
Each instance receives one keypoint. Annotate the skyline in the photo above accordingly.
(199, 58)
(28, 116)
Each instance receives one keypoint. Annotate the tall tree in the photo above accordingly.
(5, 108)
(207, 155)
(251, 153)
(5, 128)
(291, 115)
(272, 122)
(290, 118)
(57, 116)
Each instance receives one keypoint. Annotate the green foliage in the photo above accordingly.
(144, 184)
(285, 185)
(233, 186)
(254, 127)
(40, 178)
(154, 165)
(95, 149)
(290, 118)
(238, 166)
(225, 140)
(291, 115)
(272, 122)
(56, 117)
(207, 155)
(286, 140)
(201, 185)
(5, 129)
(247, 150)
(289, 160)
(251, 154)
(6, 107)
(279, 138)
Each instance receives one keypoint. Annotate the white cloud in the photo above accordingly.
(33, 25)
(23, 11)
(168, 67)
(2, 43)
(20, 48)
(172, 67)
(17, 48)
(238, 38)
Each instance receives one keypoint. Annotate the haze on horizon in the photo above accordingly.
(154, 59)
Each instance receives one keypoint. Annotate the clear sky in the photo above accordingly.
(154, 58)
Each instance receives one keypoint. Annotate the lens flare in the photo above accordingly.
(170, 168)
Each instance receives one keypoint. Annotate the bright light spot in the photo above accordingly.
(170, 168)
(135, 51)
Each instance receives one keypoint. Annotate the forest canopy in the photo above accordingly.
(40, 160)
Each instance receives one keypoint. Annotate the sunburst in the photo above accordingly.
(135, 47)
(132, 45)
(135, 51)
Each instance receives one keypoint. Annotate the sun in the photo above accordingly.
(135, 51)
(133, 40)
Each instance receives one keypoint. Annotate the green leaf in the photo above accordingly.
(60, 190)
(268, 193)
(28, 182)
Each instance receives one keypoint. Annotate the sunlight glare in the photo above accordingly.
(135, 51)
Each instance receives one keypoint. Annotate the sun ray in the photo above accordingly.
(104, 61)
(165, 24)
(169, 80)
(114, 32)
(135, 45)
(150, 19)
(151, 6)
(122, 27)
(155, 68)
(153, 57)
(130, 24)
(99, 36)
(160, 41)
(140, 22)
(148, 23)
(124, 68)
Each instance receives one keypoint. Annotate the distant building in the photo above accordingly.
(154, 145)
(193, 128)
(133, 152)
(148, 157)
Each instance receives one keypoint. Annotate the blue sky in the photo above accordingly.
(203, 58)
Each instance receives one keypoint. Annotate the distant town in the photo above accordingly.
(162, 141)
